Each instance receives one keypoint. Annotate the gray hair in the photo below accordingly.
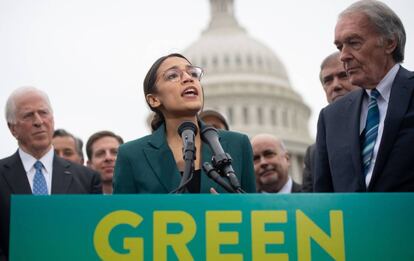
(271, 137)
(386, 22)
(11, 108)
(78, 142)
(328, 59)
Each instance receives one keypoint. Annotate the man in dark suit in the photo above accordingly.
(365, 140)
(271, 165)
(336, 85)
(34, 168)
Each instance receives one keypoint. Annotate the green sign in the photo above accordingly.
(213, 227)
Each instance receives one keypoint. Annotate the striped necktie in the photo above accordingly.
(39, 181)
(370, 132)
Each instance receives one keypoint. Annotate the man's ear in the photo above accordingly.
(390, 45)
(12, 130)
(287, 156)
(153, 101)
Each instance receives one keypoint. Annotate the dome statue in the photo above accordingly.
(247, 82)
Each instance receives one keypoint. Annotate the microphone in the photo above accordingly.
(212, 173)
(221, 160)
(187, 130)
(210, 136)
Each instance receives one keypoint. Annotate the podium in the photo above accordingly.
(362, 226)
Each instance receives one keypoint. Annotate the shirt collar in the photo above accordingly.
(28, 160)
(384, 87)
(287, 188)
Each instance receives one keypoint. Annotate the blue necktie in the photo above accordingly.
(371, 131)
(39, 181)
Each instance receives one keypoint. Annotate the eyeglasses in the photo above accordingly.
(176, 74)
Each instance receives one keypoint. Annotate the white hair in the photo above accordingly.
(11, 108)
(386, 22)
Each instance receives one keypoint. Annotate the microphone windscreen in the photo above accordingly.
(187, 125)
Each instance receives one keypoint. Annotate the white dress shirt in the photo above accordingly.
(384, 88)
(28, 164)
(287, 188)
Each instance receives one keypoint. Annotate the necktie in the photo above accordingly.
(371, 131)
(39, 181)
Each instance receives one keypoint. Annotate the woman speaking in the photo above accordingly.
(154, 163)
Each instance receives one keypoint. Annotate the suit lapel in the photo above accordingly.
(353, 113)
(296, 188)
(161, 160)
(400, 96)
(61, 176)
(16, 176)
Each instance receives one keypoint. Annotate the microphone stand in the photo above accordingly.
(222, 162)
(213, 174)
(189, 155)
(187, 130)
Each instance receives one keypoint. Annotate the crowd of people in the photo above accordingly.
(364, 136)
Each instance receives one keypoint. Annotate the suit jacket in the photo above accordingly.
(309, 169)
(338, 157)
(296, 188)
(147, 165)
(67, 178)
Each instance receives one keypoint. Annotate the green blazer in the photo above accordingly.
(147, 165)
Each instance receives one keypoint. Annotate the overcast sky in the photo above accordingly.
(91, 56)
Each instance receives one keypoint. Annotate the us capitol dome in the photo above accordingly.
(247, 83)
